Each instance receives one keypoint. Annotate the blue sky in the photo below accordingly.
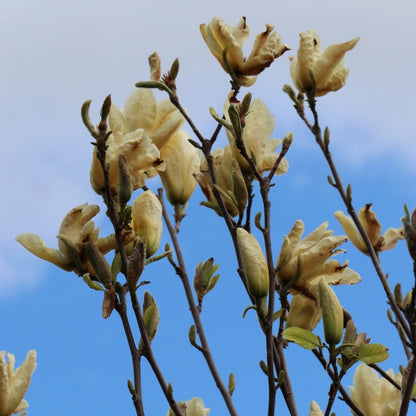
(58, 54)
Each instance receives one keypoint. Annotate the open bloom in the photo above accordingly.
(258, 127)
(372, 227)
(182, 163)
(76, 229)
(328, 66)
(302, 263)
(221, 37)
(192, 407)
(139, 131)
(14, 383)
(375, 396)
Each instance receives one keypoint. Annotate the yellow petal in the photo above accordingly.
(37, 246)
(351, 230)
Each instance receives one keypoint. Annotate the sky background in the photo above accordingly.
(56, 55)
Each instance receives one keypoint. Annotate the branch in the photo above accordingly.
(206, 352)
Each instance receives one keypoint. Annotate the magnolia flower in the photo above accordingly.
(328, 66)
(193, 407)
(372, 227)
(302, 263)
(222, 38)
(254, 264)
(182, 163)
(258, 127)
(14, 383)
(147, 220)
(315, 410)
(76, 229)
(139, 131)
(225, 170)
(373, 395)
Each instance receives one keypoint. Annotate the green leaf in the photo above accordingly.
(372, 353)
(91, 283)
(304, 338)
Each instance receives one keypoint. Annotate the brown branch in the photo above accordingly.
(206, 352)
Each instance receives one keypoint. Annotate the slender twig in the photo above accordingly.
(345, 396)
(181, 270)
(316, 131)
(148, 354)
(135, 355)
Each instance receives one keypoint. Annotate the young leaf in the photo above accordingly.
(372, 353)
(304, 338)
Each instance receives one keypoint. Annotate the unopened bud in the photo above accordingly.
(125, 189)
(154, 63)
(239, 187)
(147, 220)
(109, 302)
(287, 142)
(135, 267)
(245, 104)
(409, 229)
(235, 121)
(254, 264)
(102, 269)
(150, 315)
(332, 313)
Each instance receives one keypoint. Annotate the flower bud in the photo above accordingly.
(254, 264)
(102, 269)
(332, 314)
(147, 220)
(136, 264)
(409, 228)
(182, 162)
(125, 188)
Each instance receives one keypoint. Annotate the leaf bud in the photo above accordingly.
(105, 108)
(85, 115)
(254, 264)
(204, 279)
(150, 315)
(332, 314)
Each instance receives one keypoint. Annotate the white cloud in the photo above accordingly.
(60, 54)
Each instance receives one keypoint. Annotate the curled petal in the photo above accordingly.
(38, 247)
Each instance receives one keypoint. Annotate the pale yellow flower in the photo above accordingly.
(14, 383)
(327, 66)
(375, 396)
(254, 264)
(220, 36)
(303, 262)
(222, 159)
(258, 127)
(192, 407)
(147, 220)
(372, 227)
(139, 131)
(315, 410)
(182, 163)
(75, 230)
